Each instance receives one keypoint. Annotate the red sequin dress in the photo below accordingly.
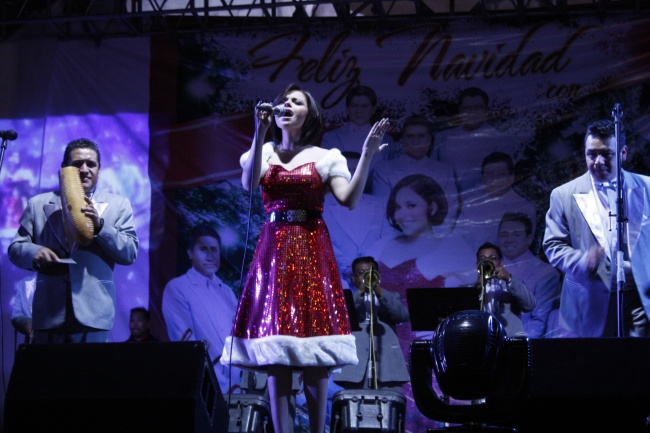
(292, 309)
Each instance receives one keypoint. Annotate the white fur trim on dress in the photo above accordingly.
(326, 351)
(333, 164)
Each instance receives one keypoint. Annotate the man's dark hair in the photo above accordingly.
(488, 245)
(496, 157)
(80, 143)
(518, 217)
(365, 259)
(601, 129)
(473, 91)
(417, 120)
(311, 131)
(141, 310)
(366, 91)
(203, 230)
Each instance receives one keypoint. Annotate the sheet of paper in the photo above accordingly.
(67, 261)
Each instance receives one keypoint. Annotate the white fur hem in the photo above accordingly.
(326, 351)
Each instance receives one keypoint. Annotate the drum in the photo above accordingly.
(361, 410)
(249, 413)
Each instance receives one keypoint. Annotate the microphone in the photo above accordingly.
(277, 111)
(9, 135)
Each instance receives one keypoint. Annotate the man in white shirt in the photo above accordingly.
(465, 146)
(362, 111)
(198, 305)
(542, 279)
(482, 210)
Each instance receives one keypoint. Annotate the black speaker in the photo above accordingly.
(583, 385)
(114, 387)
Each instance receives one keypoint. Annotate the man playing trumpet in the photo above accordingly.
(74, 300)
(502, 294)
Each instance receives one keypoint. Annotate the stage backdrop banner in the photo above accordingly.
(545, 80)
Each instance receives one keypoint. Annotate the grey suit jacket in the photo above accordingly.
(572, 227)
(91, 277)
(391, 366)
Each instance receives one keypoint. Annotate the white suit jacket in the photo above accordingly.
(573, 226)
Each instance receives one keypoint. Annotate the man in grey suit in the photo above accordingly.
(390, 370)
(74, 299)
(581, 241)
(504, 295)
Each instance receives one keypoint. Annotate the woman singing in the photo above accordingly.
(292, 312)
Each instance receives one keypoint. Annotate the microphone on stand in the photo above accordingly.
(8, 135)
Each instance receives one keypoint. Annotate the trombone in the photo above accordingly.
(371, 279)
(485, 270)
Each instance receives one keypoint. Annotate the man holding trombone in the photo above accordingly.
(381, 362)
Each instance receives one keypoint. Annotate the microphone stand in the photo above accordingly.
(621, 219)
(2, 152)
(2, 157)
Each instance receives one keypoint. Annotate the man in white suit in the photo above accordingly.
(74, 299)
(581, 241)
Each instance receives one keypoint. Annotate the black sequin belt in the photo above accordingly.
(294, 215)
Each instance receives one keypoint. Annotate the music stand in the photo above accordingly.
(428, 306)
(352, 310)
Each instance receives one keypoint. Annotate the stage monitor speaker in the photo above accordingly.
(114, 387)
(583, 385)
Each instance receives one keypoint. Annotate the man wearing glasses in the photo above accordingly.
(503, 295)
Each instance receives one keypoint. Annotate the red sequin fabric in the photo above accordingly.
(292, 310)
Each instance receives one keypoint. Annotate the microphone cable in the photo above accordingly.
(242, 278)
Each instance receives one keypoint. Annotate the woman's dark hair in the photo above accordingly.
(425, 187)
(312, 130)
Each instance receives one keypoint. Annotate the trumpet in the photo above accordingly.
(371, 279)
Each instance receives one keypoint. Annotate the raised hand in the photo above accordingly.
(373, 142)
